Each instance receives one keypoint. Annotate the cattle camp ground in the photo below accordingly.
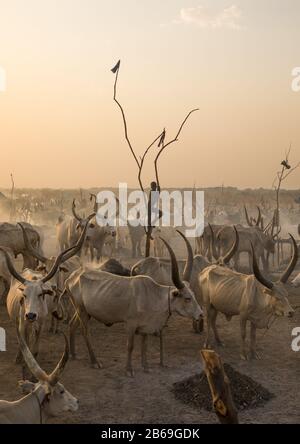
(108, 395)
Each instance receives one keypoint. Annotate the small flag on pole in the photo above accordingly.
(116, 67)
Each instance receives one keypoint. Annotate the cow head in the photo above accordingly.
(82, 221)
(183, 300)
(277, 290)
(54, 399)
(33, 291)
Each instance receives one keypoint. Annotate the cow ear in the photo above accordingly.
(26, 386)
(91, 225)
(63, 269)
(41, 268)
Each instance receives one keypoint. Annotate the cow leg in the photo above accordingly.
(37, 336)
(250, 262)
(264, 263)
(74, 324)
(243, 324)
(133, 249)
(83, 319)
(208, 326)
(236, 261)
(253, 352)
(139, 249)
(161, 349)
(213, 318)
(144, 347)
(130, 345)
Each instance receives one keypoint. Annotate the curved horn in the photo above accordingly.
(31, 363)
(213, 245)
(247, 217)
(30, 248)
(11, 267)
(69, 253)
(74, 211)
(66, 254)
(290, 268)
(229, 255)
(57, 372)
(257, 273)
(175, 272)
(275, 236)
(258, 217)
(187, 272)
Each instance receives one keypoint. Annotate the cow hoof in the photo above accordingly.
(18, 359)
(244, 357)
(254, 355)
(198, 326)
(130, 373)
(96, 365)
(220, 344)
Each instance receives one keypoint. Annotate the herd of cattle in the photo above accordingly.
(75, 287)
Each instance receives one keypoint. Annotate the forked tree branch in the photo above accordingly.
(123, 115)
(165, 145)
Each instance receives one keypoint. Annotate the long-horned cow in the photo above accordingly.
(44, 399)
(141, 303)
(253, 297)
(160, 269)
(27, 297)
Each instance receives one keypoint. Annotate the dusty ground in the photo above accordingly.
(108, 396)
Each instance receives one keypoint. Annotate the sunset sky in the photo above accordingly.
(231, 58)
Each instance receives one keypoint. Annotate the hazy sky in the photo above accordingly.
(232, 59)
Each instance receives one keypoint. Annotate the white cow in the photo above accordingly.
(253, 297)
(46, 398)
(140, 302)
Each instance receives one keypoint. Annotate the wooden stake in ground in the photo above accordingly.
(220, 387)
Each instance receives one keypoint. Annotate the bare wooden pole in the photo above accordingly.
(140, 161)
(220, 387)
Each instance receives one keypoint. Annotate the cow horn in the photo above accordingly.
(247, 217)
(57, 372)
(31, 363)
(74, 211)
(229, 255)
(187, 272)
(275, 236)
(67, 254)
(290, 268)
(258, 217)
(11, 267)
(30, 248)
(175, 272)
(213, 245)
(257, 273)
